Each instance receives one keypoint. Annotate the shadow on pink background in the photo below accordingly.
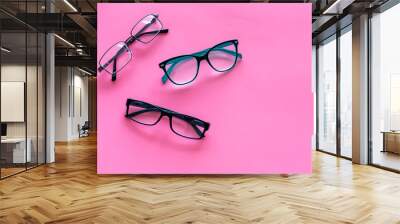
(261, 112)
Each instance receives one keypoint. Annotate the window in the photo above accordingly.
(22, 77)
(327, 96)
(385, 89)
(346, 92)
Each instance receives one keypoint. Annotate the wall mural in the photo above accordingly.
(204, 88)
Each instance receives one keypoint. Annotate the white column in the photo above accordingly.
(50, 92)
(50, 99)
(360, 90)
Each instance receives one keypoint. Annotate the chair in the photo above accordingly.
(84, 130)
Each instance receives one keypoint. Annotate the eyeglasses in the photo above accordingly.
(118, 56)
(181, 124)
(183, 69)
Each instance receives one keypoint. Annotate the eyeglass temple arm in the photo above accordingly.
(164, 79)
(198, 131)
(132, 39)
(146, 107)
(129, 115)
(128, 42)
(114, 73)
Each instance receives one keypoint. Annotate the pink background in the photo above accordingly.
(261, 113)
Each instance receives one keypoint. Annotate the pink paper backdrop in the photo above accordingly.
(261, 113)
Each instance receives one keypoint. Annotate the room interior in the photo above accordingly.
(22, 102)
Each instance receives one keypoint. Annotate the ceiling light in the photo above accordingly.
(333, 6)
(70, 5)
(65, 41)
(337, 7)
(5, 50)
(84, 71)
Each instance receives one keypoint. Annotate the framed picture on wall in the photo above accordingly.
(12, 101)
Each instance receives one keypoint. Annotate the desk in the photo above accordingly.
(391, 141)
(17, 151)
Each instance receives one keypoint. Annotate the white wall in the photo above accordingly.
(71, 94)
(80, 110)
(62, 82)
(17, 73)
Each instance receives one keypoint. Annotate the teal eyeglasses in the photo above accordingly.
(184, 69)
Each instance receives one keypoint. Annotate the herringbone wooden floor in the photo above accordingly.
(70, 191)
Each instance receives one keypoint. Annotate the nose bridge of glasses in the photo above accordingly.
(171, 115)
(201, 54)
(130, 40)
(166, 112)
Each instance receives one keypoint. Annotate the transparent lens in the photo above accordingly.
(143, 115)
(147, 29)
(223, 57)
(182, 70)
(183, 128)
(118, 55)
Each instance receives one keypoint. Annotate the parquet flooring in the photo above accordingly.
(70, 191)
(10, 171)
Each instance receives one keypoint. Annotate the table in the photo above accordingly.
(18, 150)
(391, 141)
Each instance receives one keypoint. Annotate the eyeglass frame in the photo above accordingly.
(169, 113)
(199, 56)
(132, 38)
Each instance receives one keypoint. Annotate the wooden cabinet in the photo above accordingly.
(391, 142)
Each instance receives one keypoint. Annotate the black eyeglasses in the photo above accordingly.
(118, 56)
(183, 69)
(181, 124)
